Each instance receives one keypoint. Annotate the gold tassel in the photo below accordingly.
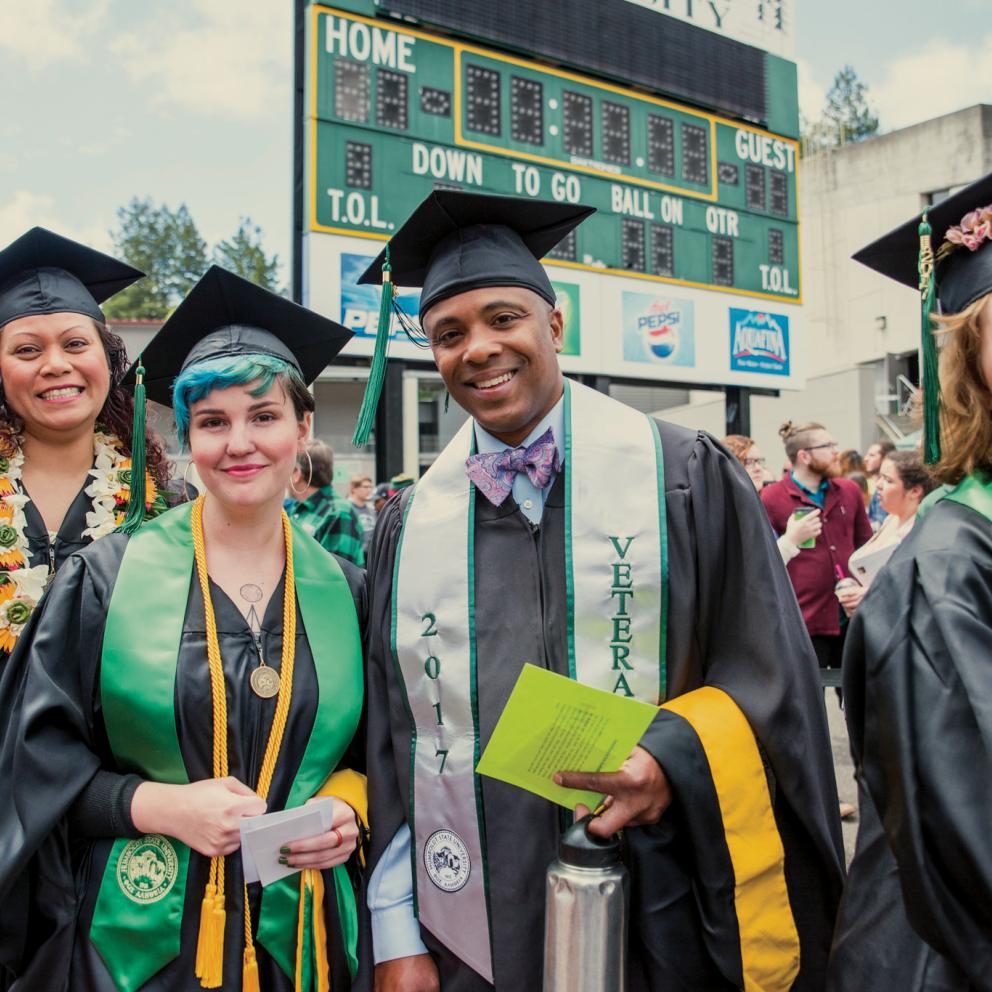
(322, 964)
(206, 909)
(312, 893)
(210, 942)
(249, 971)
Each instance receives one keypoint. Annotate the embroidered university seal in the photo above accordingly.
(446, 860)
(147, 868)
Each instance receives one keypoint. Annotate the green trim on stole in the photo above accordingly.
(663, 541)
(569, 565)
(975, 492)
(137, 939)
(406, 699)
(474, 691)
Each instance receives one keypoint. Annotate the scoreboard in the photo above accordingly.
(689, 202)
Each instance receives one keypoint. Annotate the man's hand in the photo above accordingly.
(636, 795)
(416, 973)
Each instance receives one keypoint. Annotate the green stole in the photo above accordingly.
(137, 920)
(973, 491)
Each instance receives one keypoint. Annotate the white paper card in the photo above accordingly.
(263, 836)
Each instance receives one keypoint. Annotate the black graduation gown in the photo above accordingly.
(53, 551)
(56, 742)
(917, 912)
(734, 623)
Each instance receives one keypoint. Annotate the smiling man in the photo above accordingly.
(564, 529)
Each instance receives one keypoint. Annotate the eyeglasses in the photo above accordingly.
(829, 444)
(752, 462)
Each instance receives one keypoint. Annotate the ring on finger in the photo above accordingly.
(338, 835)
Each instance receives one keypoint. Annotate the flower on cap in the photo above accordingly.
(974, 230)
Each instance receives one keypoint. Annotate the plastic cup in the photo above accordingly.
(798, 515)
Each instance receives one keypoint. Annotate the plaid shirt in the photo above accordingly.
(332, 522)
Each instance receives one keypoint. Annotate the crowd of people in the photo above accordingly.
(173, 666)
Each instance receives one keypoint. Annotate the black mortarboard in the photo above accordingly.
(225, 315)
(455, 242)
(42, 272)
(962, 275)
(944, 254)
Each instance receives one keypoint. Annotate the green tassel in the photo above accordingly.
(135, 515)
(931, 378)
(377, 371)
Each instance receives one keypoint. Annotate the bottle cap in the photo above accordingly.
(582, 849)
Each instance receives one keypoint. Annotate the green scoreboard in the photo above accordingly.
(696, 223)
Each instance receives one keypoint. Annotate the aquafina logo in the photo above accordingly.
(660, 329)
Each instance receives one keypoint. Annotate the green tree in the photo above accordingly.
(244, 255)
(847, 109)
(166, 245)
(847, 115)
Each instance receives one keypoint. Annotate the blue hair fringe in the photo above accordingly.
(199, 380)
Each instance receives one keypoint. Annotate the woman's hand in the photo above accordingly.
(325, 850)
(799, 530)
(205, 816)
(850, 598)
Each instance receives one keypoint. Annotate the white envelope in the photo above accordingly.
(263, 836)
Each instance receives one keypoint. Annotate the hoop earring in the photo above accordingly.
(299, 492)
(186, 481)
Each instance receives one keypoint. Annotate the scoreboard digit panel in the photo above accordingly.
(396, 112)
(616, 133)
(576, 118)
(526, 110)
(482, 100)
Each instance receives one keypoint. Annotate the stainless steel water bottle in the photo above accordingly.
(585, 916)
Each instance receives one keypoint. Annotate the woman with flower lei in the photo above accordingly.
(916, 914)
(65, 419)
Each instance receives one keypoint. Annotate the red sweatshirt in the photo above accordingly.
(814, 570)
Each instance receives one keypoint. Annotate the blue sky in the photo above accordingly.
(190, 101)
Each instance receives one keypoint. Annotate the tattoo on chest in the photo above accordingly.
(252, 594)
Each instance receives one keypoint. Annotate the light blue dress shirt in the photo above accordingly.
(395, 930)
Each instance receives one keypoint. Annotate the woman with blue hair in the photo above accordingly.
(183, 676)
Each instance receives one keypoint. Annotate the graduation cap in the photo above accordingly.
(224, 316)
(946, 255)
(42, 272)
(455, 242)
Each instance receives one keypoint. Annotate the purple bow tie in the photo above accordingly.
(493, 473)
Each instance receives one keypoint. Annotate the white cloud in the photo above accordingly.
(25, 210)
(215, 59)
(44, 31)
(939, 78)
(812, 96)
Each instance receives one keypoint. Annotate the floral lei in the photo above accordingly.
(22, 585)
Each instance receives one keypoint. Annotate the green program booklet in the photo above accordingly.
(552, 724)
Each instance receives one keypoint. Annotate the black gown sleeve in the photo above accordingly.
(53, 745)
(919, 709)
(749, 641)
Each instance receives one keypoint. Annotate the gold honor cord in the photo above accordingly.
(210, 942)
